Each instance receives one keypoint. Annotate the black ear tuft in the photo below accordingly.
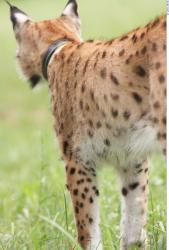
(10, 5)
(14, 11)
(17, 15)
(71, 9)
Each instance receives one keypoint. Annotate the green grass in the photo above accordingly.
(35, 208)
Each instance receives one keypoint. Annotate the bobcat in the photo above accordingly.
(108, 102)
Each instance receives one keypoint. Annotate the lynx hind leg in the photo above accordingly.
(81, 182)
(157, 75)
(134, 188)
(158, 103)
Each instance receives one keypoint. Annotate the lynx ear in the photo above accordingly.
(71, 9)
(18, 17)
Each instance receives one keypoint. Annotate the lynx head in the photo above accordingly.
(34, 38)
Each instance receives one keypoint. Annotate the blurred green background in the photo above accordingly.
(33, 198)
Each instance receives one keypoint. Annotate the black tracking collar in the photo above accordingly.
(48, 54)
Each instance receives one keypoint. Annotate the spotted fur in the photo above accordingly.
(108, 102)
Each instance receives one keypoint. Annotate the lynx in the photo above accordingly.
(108, 102)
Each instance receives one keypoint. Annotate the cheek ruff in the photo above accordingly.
(34, 80)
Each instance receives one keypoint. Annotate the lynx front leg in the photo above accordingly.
(81, 181)
(134, 181)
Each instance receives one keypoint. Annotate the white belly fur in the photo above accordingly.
(131, 146)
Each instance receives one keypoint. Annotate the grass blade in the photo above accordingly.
(59, 228)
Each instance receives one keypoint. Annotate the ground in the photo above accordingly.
(35, 207)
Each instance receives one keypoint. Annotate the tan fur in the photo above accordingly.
(108, 100)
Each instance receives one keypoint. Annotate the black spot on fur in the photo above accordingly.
(83, 88)
(156, 105)
(123, 38)
(90, 220)
(82, 173)
(72, 171)
(161, 79)
(121, 53)
(89, 180)
(103, 73)
(124, 191)
(107, 142)
(155, 120)
(164, 25)
(138, 165)
(81, 205)
(155, 23)
(86, 190)
(75, 191)
(83, 196)
(134, 38)
(91, 200)
(154, 47)
(97, 192)
(133, 185)
(115, 97)
(90, 123)
(140, 71)
(76, 210)
(114, 79)
(92, 95)
(87, 107)
(81, 104)
(164, 120)
(140, 171)
(137, 97)
(157, 65)
(142, 35)
(144, 50)
(90, 134)
(105, 98)
(114, 113)
(85, 66)
(98, 125)
(65, 147)
(126, 115)
(90, 41)
(137, 53)
(104, 54)
(82, 238)
(108, 126)
(80, 181)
